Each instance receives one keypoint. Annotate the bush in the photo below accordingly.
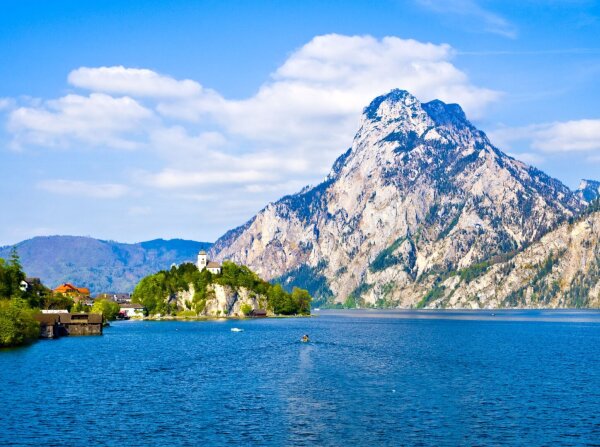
(246, 309)
(108, 309)
(17, 323)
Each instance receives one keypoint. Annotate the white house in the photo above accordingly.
(132, 309)
(204, 263)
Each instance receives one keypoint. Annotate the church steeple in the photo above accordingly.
(202, 260)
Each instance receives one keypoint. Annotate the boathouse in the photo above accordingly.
(82, 324)
(57, 324)
(258, 313)
(50, 326)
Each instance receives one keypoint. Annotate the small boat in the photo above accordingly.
(236, 329)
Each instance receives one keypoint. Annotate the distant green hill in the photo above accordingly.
(103, 266)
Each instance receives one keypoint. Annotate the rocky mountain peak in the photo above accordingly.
(420, 190)
(400, 107)
(449, 115)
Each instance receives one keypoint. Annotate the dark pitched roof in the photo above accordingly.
(48, 318)
(131, 306)
(95, 318)
(212, 265)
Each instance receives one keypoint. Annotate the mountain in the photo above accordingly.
(562, 269)
(588, 190)
(103, 266)
(420, 192)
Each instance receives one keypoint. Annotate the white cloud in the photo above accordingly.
(93, 120)
(85, 189)
(6, 103)
(205, 147)
(569, 136)
(476, 16)
(318, 93)
(132, 81)
(174, 178)
(309, 111)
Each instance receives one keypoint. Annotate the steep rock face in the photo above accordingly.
(588, 190)
(420, 190)
(223, 300)
(562, 269)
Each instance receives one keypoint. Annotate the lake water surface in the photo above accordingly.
(366, 378)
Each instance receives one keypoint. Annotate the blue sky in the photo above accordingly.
(143, 119)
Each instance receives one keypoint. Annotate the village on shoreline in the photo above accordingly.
(201, 291)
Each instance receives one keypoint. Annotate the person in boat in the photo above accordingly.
(305, 338)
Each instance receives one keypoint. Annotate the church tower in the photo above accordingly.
(202, 260)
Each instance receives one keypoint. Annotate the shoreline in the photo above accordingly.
(214, 318)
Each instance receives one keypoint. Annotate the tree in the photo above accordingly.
(56, 301)
(11, 276)
(108, 309)
(17, 324)
(302, 300)
(246, 309)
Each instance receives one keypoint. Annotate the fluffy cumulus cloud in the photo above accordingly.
(548, 139)
(318, 93)
(203, 146)
(94, 120)
(581, 135)
(132, 81)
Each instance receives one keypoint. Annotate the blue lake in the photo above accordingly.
(366, 378)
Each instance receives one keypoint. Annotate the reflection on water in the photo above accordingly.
(366, 378)
(545, 315)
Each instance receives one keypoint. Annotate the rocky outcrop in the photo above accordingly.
(588, 190)
(222, 300)
(421, 191)
(562, 269)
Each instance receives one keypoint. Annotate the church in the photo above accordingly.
(204, 263)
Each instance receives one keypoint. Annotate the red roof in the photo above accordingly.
(71, 289)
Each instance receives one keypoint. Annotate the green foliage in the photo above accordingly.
(156, 291)
(12, 286)
(246, 309)
(542, 290)
(17, 324)
(308, 278)
(578, 294)
(350, 302)
(11, 275)
(435, 293)
(354, 299)
(468, 274)
(78, 307)
(58, 301)
(108, 309)
(386, 257)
